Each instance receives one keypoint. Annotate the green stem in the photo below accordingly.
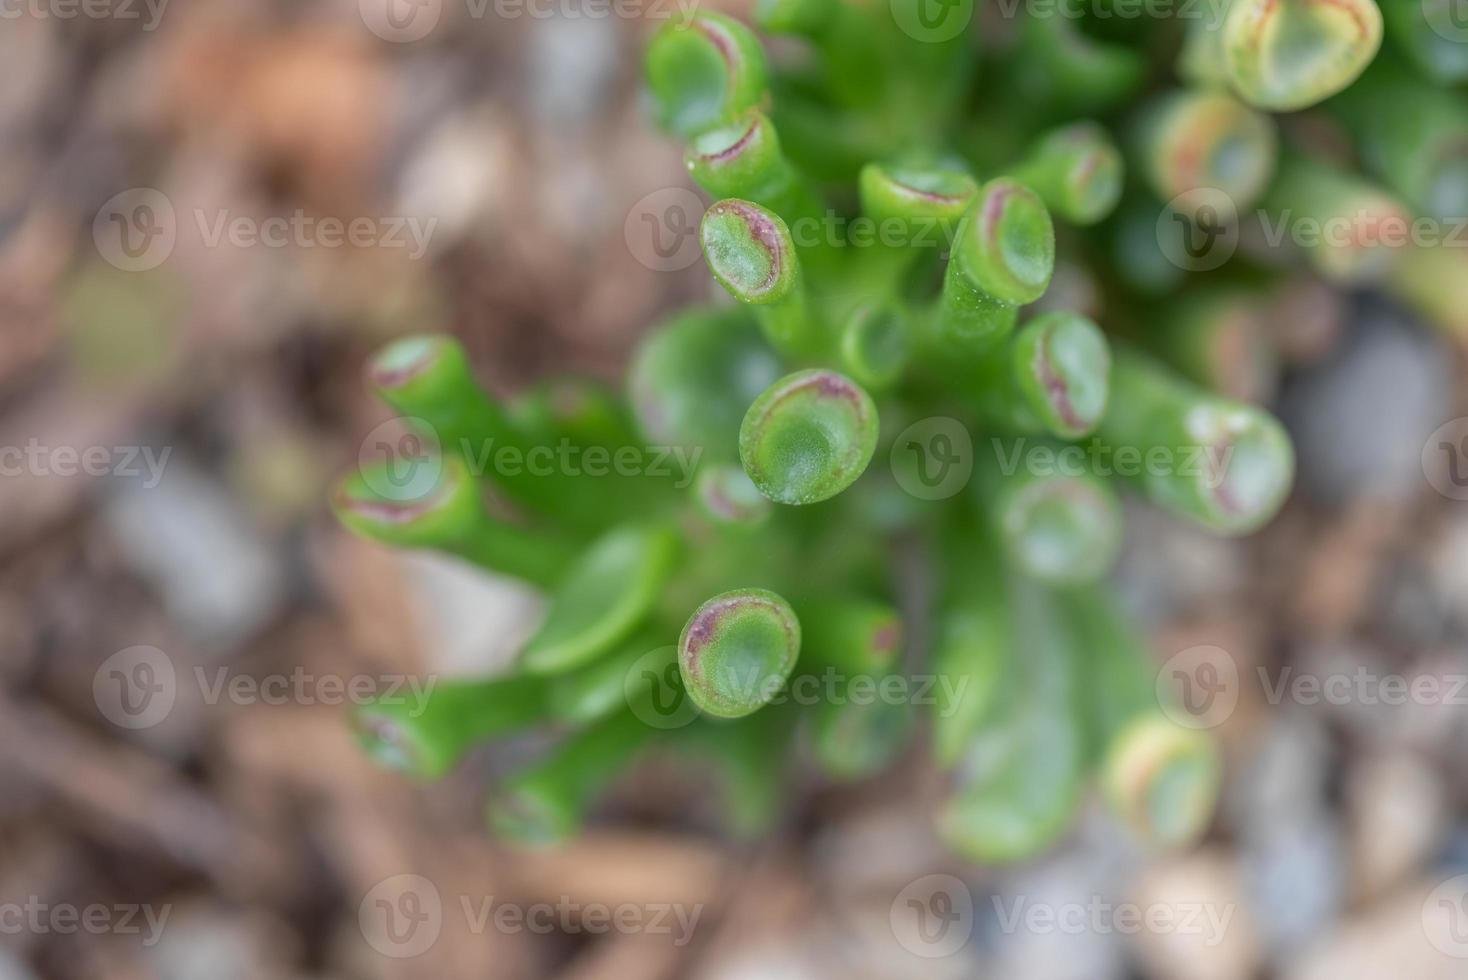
(850, 635)
(1054, 376)
(1016, 786)
(1351, 230)
(1061, 527)
(547, 803)
(427, 736)
(1161, 778)
(1222, 463)
(1003, 256)
(1077, 171)
(750, 252)
(439, 508)
(1412, 136)
(750, 759)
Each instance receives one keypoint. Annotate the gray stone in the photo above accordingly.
(1359, 417)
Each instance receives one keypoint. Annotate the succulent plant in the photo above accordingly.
(909, 446)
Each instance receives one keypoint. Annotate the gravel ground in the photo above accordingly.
(237, 832)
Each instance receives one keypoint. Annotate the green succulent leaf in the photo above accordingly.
(808, 437)
(738, 650)
(1285, 55)
(603, 597)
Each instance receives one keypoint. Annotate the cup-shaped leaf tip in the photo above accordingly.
(728, 159)
(1062, 363)
(1078, 170)
(1062, 529)
(1007, 244)
(1209, 139)
(1285, 55)
(395, 742)
(704, 71)
(1242, 467)
(726, 494)
(750, 251)
(737, 651)
(1163, 779)
(808, 436)
(408, 502)
(917, 193)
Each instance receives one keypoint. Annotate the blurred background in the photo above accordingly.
(212, 212)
